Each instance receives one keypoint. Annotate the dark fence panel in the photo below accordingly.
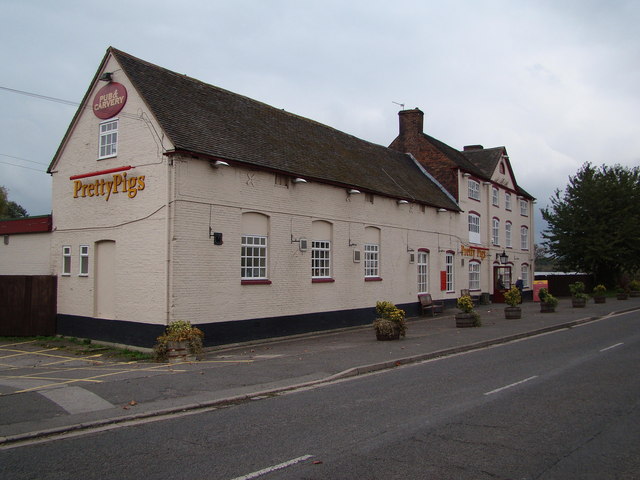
(559, 283)
(28, 305)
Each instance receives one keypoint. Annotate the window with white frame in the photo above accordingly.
(66, 260)
(423, 272)
(495, 231)
(495, 196)
(449, 280)
(320, 259)
(474, 228)
(474, 276)
(474, 189)
(507, 201)
(108, 139)
(524, 207)
(84, 260)
(253, 257)
(371, 260)
(507, 234)
(524, 238)
(525, 276)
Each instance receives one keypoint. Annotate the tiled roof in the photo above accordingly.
(487, 159)
(207, 120)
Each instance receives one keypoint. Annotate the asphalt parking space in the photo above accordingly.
(26, 367)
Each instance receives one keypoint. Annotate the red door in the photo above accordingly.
(501, 282)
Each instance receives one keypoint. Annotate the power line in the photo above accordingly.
(23, 159)
(42, 97)
(22, 166)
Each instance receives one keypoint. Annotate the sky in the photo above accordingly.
(554, 81)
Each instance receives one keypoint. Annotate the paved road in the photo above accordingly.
(562, 405)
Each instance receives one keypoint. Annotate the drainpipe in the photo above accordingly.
(168, 233)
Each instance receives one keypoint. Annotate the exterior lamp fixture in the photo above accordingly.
(219, 163)
(353, 191)
(299, 180)
(442, 210)
(106, 77)
(502, 257)
(402, 202)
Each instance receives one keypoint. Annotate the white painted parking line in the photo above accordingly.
(510, 385)
(612, 346)
(280, 466)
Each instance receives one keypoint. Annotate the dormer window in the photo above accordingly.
(108, 139)
(474, 189)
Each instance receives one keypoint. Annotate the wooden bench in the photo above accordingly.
(428, 304)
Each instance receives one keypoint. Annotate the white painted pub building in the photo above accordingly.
(177, 200)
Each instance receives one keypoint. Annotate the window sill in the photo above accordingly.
(255, 282)
(322, 280)
(372, 279)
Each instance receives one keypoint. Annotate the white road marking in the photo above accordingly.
(612, 346)
(510, 385)
(76, 399)
(280, 466)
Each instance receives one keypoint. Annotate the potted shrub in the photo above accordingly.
(599, 292)
(634, 288)
(622, 293)
(467, 317)
(181, 342)
(548, 302)
(513, 298)
(390, 323)
(578, 297)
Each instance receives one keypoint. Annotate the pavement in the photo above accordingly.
(46, 392)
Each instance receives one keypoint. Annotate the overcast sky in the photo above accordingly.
(556, 82)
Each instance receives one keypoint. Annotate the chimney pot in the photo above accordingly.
(472, 147)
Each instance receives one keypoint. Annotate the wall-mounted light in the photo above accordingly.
(466, 175)
(353, 191)
(299, 180)
(503, 258)
(106, 77)
(219, 163)
(442, 210)
(402, 202)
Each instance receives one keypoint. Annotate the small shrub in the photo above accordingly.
(599, 290)
(465, 304)
(513, 297)
(389, 316)
(577, 290)
(634, 285)
(178, 331)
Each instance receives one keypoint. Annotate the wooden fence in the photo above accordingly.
(28, 305)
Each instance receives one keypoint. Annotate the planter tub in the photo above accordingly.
(383, 336)
(634, 293)
(622, 296)
(464, 320)
(600, 299)
(547, 308)
(512, 313)
(578, 302)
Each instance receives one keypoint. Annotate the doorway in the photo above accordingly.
(501, 282)
(105, 288)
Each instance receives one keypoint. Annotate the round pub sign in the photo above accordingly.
(109, 100)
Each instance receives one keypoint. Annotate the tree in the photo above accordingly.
(9, 209)
(593, 225)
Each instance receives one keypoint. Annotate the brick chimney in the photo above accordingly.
(411, 122)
